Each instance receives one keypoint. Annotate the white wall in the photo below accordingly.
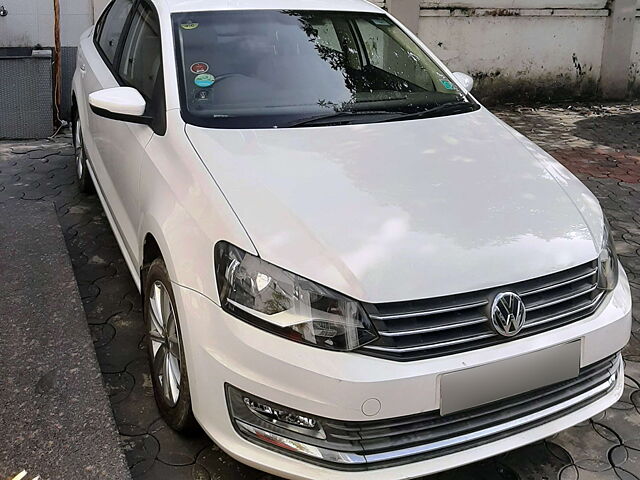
(99, 6)
(530, 4)
(531, 51)
(634, 70)
(30, 22)
(542, 47)
(549, 49)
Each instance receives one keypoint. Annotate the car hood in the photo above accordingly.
(405, 210)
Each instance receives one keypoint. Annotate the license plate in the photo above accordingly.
(478, 386)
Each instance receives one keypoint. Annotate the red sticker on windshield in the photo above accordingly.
(199, 67)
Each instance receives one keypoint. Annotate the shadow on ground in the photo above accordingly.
(597, 129)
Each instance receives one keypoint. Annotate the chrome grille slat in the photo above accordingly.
(497, 428)
(435, 311)
(561, 299)
(589, 377)
(440, 328)
(447, 325)
(396, 441)
(561, 284)
(590, 305)
(429, 346)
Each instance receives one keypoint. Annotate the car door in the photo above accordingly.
(96, 55)
(137, 63)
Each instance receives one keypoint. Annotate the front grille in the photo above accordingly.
(441, 326)
(414, 438)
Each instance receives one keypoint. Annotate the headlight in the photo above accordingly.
(607, 261)
(284, 303)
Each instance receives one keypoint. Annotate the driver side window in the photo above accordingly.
(141, 61)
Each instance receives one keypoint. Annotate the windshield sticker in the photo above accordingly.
(447, 84)
(205, 80)
(199, 67)
(202, 95)
(189, 26)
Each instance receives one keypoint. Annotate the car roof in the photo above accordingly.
(211, 5)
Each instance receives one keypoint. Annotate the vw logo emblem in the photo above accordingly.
(508, 314)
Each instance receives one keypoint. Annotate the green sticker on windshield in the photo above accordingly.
(189, 26)
(205, 80)
(447, 84)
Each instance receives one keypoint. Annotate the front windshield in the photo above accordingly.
(275, 69)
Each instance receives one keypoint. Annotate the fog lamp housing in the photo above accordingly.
(279, 416)
(285, 430)
(270, 416)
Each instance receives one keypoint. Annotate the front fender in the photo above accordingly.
(183, 208)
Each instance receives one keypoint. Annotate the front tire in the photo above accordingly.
(85, 184)
(166, 350)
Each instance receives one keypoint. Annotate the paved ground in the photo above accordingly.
(600, 144)
(56, 420)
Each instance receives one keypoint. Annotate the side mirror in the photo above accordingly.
(125, 104)
(465, 80)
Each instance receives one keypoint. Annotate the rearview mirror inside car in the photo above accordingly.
(125, 104)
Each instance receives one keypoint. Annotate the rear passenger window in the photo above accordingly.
(112, 28)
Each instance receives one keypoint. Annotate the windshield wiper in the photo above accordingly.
(345, 117)
(451, 108)
(337, 118)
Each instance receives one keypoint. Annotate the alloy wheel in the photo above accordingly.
(165, 343)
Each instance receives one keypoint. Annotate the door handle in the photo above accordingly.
(83, 68)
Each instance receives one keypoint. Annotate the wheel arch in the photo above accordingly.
(74, 112)
(151, 251)
(153, 245)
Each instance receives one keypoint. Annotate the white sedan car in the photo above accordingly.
(350, 268)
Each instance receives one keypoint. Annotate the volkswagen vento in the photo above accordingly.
(350, 268)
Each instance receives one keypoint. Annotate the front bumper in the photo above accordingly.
(222, 350)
